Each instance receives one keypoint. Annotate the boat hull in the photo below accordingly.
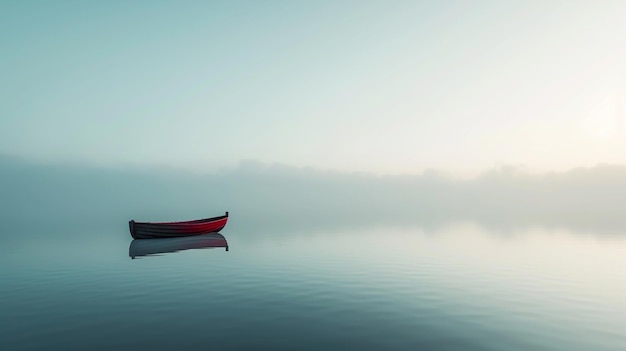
(153, 230)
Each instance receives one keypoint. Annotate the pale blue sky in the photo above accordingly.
(381, 86)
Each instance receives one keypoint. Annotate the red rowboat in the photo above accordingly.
(152, 230)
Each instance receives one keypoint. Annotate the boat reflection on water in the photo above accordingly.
(148, 247)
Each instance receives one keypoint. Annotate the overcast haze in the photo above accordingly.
(386, 87)
(504, 200)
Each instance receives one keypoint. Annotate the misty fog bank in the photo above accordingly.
(277, 197)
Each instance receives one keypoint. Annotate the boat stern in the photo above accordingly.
(131, 227)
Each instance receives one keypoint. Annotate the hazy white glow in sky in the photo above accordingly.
(386, 87)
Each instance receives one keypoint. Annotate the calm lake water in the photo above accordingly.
(459, 286)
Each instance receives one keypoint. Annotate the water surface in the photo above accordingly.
(460, 286)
